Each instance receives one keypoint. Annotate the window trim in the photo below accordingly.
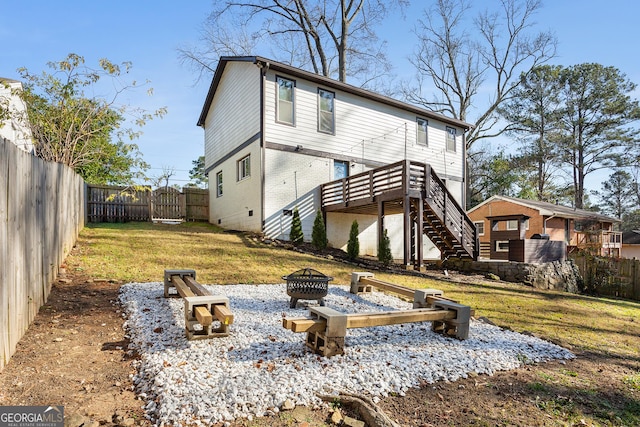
(451, 136)
(497, 247)
(219, 188)
(244, 172)
(426, 131)
(477, 228)
(511, 228)
(293, 101)
(333, 111)
(346, 165)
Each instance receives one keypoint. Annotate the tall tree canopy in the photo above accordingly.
(460, 58)
(533, 115)
(87, 133)
(334, 38)
(595, 121)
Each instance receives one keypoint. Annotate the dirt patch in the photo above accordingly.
(75, 354)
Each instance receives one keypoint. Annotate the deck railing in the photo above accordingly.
(404, 178)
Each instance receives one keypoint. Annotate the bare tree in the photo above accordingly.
(454, 65)
(165, 176)
(328, 37)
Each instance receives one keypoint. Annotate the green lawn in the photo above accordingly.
(140, 252)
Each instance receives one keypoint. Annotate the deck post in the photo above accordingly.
(420, 233)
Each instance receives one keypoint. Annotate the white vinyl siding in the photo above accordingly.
(326, 111)
(364, 129)
(285, 107)
(237, 111)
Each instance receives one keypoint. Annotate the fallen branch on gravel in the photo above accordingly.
(368, 410)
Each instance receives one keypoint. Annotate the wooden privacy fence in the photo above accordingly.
(615, 277)
(41, 214)
(121, 204)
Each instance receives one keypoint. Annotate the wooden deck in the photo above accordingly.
(413, 189)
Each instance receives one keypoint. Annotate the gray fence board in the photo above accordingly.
(41, 214)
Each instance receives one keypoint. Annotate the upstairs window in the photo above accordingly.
(421, 137)
(451, 139)
(219, 184)
(244, 168)
(326, 112)
(285, 105)
(479, 227)
(512, 224)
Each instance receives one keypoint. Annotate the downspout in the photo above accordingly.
(264, 67)
(465, 182)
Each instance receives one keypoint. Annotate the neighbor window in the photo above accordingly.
(479, 227)
(421, 137)
(512, 224)
(502, 246)
(219, 184)
(244, 168)
(451, 139)
(285, 106)
(326, 112)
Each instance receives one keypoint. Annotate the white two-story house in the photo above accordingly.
(279, 138)
(13, 127)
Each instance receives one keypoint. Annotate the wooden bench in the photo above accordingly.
(326, 328)
(211, 312)
(422, 298)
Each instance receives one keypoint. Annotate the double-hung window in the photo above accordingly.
(421, 136)
(219, 184)
(285, 108)
(451, 139)
(326, 111)
(244, 168)
(479, 227)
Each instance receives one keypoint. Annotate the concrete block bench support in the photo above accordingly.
(326, 328)
(422, 298)
(205, 315)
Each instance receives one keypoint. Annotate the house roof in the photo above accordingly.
(325, 81)
(550, 209)
(631, 237)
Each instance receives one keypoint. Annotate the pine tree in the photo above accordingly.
(353, 246)
(384, 250)
(296, 236)
(319, 232)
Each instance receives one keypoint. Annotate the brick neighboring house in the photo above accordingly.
(501, 220)
(279, 138)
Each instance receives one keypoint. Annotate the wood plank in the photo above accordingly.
(390, 287)
(203, 315)
(365, 320)
(196, 287)
(223, 314)
(182, 288)
(304, 324)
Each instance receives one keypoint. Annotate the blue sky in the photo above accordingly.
(148, 33)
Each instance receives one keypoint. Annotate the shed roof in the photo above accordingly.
(325, 81)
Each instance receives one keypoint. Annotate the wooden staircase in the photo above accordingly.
(446, 223)
(414, 189)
